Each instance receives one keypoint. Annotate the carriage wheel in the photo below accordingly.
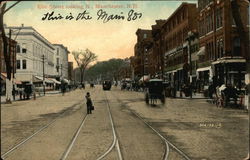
(163, 99)
(147, 99)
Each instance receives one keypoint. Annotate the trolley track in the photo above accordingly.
(115, 142)
(4, 155)
(167, 142)
(115, 139)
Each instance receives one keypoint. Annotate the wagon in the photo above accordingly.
(155, 90)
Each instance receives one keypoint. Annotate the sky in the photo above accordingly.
(113, 39)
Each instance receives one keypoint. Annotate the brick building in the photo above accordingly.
(142, 53)
(157, 59)
(222, 55)
(175, 46)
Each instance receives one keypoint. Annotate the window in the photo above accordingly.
(219, 18)
(17, 64)
(57, 61)
(236, 46)
(24, 50)
(144, 35)
(24, 64)
(221, 48)
(57, 51)
(18, 48)
(218, 49)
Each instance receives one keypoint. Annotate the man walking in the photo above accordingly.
(89, 103)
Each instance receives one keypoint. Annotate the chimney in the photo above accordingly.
(22, 25)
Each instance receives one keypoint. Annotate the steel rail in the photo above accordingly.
(68, 149)
(115, 140)
(167, 143)
(31, 136)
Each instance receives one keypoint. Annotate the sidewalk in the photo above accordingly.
(17, 98)
(194, 96)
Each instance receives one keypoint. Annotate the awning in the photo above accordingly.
(54, 80)
(65, 80)
(48, 80)
(203, 69)
(201, 51)
(145, 78)
(37, 79)
(3, 76)
(239, 60)
(40, 79)
(18, 82)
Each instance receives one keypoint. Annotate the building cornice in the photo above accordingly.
(62, 46)
(34, 33)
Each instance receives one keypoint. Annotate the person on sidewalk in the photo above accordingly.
(89, 103)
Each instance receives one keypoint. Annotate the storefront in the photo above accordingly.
(230, 72)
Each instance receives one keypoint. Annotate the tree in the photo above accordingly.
(6, 52)
(83, 59)
(106, 69)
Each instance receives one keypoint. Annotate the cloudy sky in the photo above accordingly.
(114, 39)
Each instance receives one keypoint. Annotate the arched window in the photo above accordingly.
(18, 48)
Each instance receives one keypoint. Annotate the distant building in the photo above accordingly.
(142, 53)
(61, 61)
(70, 71)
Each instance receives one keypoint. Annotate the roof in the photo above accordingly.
(35, 33)
(62, 46)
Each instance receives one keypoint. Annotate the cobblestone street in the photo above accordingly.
(197, 128)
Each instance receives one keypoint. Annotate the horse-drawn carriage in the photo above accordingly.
(155, 90)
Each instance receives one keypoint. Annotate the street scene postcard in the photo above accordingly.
(125, 80)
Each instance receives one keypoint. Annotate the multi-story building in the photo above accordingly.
(223, 41)
(70, 71)
(61, 61)
(142, 52)
(31, 47)
(157, 59)
(175, 47)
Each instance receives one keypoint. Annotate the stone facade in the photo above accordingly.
(31, 46)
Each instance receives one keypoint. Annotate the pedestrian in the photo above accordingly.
(63, 88)
(89, 103)
(14, 93)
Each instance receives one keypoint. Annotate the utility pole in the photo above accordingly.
(11, 66)
(43, 57)
(61, 71)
